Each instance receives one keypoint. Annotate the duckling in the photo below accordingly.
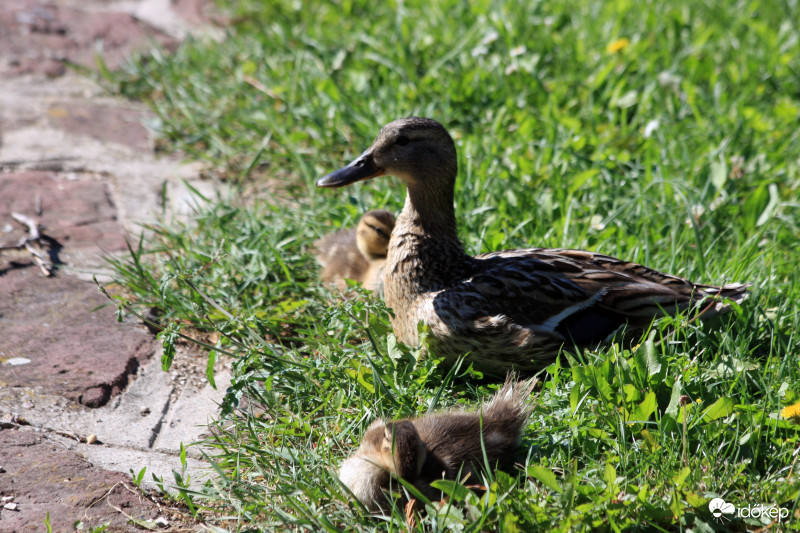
(513, 309)
(358, 254)
(445, 445)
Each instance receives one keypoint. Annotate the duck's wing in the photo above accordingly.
(630, 288)
(736, 292)
(546, 296)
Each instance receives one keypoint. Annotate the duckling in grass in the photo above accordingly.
(514, 309)
(445, 445)
(358, 254)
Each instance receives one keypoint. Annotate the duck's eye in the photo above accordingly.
(403, 140)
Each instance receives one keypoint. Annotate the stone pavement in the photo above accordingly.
(83, 399)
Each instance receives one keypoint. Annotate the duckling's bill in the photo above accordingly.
(363, 168)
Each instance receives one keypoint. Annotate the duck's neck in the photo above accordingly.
(429, 211)
(424, 250)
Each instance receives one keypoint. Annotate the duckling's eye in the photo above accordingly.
(403, 140)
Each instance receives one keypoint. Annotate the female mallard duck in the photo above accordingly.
(509, 309)
(447, 445)
(358, 254)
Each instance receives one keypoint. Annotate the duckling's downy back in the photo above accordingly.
(340, 258)
(358, 254)
(452, 438)
(445, 445)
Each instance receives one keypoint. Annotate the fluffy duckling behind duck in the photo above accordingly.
(358, 254)
(513, 309)
(445, 445)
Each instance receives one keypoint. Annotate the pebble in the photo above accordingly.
(16, 361)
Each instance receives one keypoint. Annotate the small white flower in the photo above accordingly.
(668, 79)
(650, 127)
(479, 50)
(697, 212)
(597, 223)
(490, 37)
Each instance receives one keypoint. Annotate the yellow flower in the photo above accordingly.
(618, 45)
(792, 411)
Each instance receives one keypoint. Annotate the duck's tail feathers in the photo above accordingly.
(512, 404)
(717, 300)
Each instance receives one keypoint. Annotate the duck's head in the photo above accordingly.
(373, 232)
(402, 450)
(387, 449)
(414, 149)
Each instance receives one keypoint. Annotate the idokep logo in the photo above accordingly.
(720, 507)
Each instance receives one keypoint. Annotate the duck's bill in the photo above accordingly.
(361, 169)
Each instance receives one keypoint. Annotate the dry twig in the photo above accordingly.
(32, 242)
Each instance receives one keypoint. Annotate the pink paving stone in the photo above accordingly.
(43, 478)
(37, 36)
(78, 214)
(84, 355)
(75, 350)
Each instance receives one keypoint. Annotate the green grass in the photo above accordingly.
(550, 125)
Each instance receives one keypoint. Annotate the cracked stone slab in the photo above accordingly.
(43, 409)
(85, 357)
(25, 100)
(43, 477)
(135, 418)
(188, 418)
(161, 465)
(143, 426)
(156, 413)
